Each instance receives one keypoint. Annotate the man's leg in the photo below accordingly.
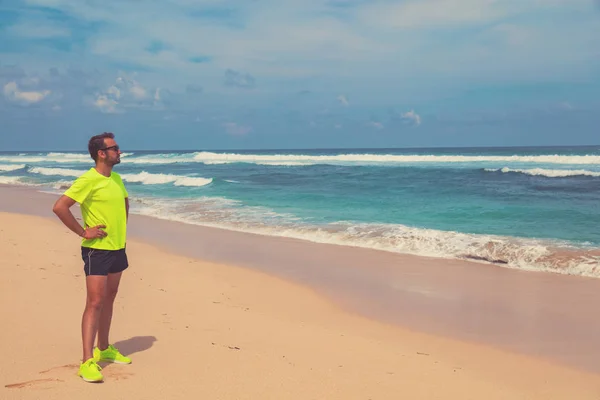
(112, 287)
(96, 293)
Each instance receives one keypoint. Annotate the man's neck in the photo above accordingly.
(103, 169)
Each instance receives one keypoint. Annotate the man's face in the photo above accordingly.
(111, 151)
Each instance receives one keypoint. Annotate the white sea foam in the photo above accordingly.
(63, 158)
(8, 167)
(10, 180)
(264, 162)
(162, 158)
(550, 173)
(157, 179)
(142, 177)
(61, 185)
(75, 157)
(69, 156)
(27, 181)
(520, 253)
(55, 171)
(212, 158)
(24, 159)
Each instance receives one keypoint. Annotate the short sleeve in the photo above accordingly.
(119, 181)
(80, 189)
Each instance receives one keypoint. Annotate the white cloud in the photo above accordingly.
(235, 129)
(131, 86)
(412, 117)
(343, 100)
(114, 91)
(106, 104)
(125, 93)
(138, 91)
(12, 92)
(376, 125)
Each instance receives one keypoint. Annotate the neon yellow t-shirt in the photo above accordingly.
(102, 202)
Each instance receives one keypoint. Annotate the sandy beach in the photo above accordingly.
(204, 325)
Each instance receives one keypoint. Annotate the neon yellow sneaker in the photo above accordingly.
(111, 355)
(90, 371)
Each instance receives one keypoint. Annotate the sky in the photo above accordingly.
(272, 74)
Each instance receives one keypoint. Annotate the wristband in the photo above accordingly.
(83, 234)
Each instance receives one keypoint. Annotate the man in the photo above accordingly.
(105, 209)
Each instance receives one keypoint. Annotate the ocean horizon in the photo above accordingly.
(530, 208)
(294, 149)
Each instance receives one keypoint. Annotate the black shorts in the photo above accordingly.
(103, 262)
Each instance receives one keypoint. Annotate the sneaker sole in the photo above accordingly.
(114, 362)
(91, 380)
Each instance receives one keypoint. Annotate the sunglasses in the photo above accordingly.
(115, 148)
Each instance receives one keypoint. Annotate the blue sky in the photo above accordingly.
(224, 74)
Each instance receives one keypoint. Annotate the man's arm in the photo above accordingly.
(127, 207)
(62, 210)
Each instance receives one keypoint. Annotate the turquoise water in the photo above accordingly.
(529, 208)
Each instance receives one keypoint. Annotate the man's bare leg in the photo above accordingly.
(112, 287)
(96, 292)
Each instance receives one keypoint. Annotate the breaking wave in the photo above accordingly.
(520, 253)
(142, 177)
(550, 173)
(8, 168)
(157, 179)
(213, 158)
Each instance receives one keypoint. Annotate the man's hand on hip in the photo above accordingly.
(94, 232)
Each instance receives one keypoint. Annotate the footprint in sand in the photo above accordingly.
(72, 367)
(112, 373)
(34, 382)
(117, 375)
(45, 383)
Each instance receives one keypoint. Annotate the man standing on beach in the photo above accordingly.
(105, 209)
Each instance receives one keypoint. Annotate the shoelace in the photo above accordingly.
(111, 349)
(91, 362)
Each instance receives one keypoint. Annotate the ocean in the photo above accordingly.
(536, 209)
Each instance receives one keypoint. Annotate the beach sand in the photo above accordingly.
(206, 329)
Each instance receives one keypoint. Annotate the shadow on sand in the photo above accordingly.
(135, 344)
(128, 347)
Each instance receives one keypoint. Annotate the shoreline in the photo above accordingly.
(512, 310)
(512, 244)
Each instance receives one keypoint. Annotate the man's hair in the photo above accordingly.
(97, 142)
